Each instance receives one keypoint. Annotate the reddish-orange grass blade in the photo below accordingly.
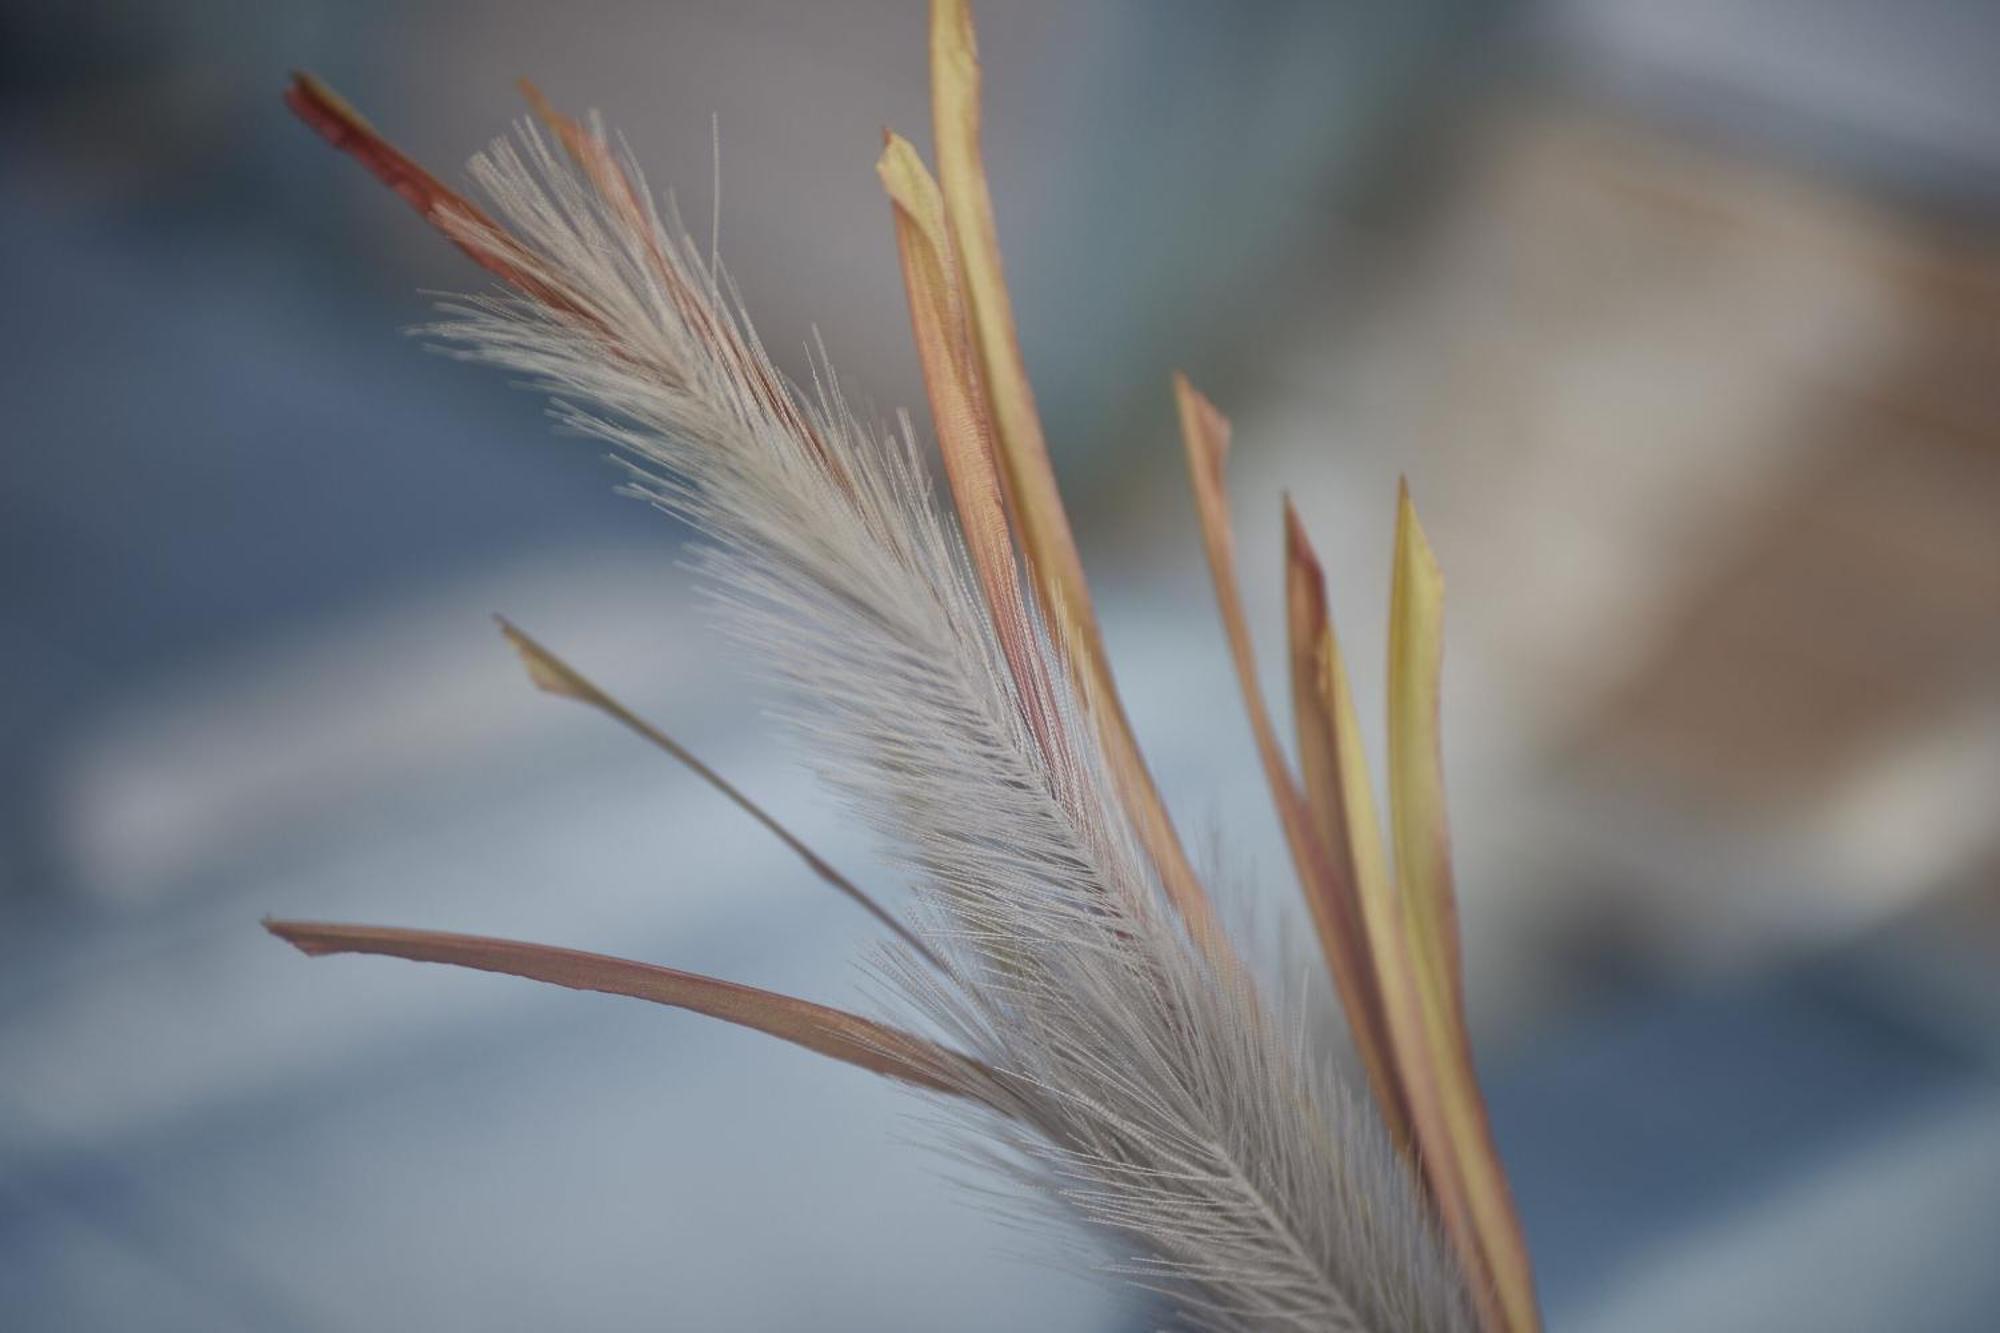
(834, 1032)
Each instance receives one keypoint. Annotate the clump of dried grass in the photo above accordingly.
(1093, 1028)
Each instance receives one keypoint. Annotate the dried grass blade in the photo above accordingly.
(1342, 795)
(555, 676)
(1327, 882)
(334, 119)
(1430, 911)
(846, 1037)
(1315, 712)
(1026, 475)
(964, 431)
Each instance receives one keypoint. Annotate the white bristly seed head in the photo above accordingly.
(1128, 1081)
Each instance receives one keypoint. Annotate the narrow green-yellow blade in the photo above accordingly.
(1430, 911)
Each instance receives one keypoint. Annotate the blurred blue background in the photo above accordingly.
(1683, 320)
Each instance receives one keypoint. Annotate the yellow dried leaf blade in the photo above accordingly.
(1429, 907)
(1341, 810)
(844, 1036)
(955, 94)
(1419, 1063)
(1416, 773)
(1027, 478)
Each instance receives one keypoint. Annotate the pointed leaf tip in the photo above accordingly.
(462, 222)
(1416, 763)
(1202, 421)
(548, 672)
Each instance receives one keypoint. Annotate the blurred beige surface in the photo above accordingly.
(1711, 454)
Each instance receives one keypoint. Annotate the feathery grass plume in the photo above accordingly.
(1095, 1030)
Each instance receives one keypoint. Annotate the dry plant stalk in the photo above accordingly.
(1094, 1028)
